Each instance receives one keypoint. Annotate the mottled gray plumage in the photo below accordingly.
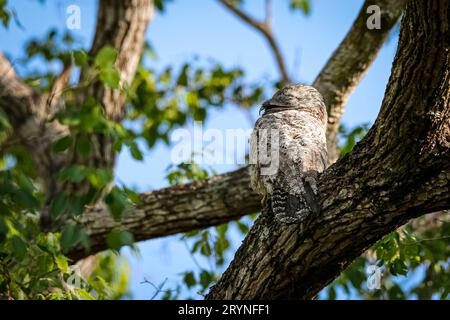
(285, 173)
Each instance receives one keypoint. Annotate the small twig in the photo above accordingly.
(265, 29)
(158, 289)
(192, 255)
(59, 85)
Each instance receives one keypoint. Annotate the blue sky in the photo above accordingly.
(203, 28)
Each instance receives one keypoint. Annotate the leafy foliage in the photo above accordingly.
(4, 13)
(302, 5)
(398, 255)
(349, 137)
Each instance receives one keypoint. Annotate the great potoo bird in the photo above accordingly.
(287, 151)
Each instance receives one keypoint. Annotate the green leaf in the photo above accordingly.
(332, 293)
(189, 279)
(45, 263)
(25, 199)
(183, 77)
(74, 173)
(159, 4)
(3, 230)
(205, 249)
(59, 205)
(25, 183)
(61, 262)
(206, 278)
(136, 152)
(19, 247)
(110, 77)
(84, 294)
(83, 145)
(106, 57)
(399, 267)
(5, 15)
(302, 5)
(117, 202)
(73, 235)
(119, 238)
(80, 58)
(49, 243)
(62, 144)
(243, 228)
(132, 196)
(99, 178)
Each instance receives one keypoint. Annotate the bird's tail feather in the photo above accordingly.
(290, 209)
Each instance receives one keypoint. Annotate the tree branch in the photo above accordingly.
(400, 171)
(265, 29)
(177, 209)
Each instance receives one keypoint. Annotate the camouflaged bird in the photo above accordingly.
(287, 151)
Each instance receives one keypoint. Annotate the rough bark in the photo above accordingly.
(401, 170)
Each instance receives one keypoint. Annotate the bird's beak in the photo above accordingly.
(263, 108)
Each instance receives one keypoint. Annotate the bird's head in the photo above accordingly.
(295, 96)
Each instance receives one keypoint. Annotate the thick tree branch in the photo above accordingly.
(350, 62)
(265, 29)
(177, 209)
(401, 170)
